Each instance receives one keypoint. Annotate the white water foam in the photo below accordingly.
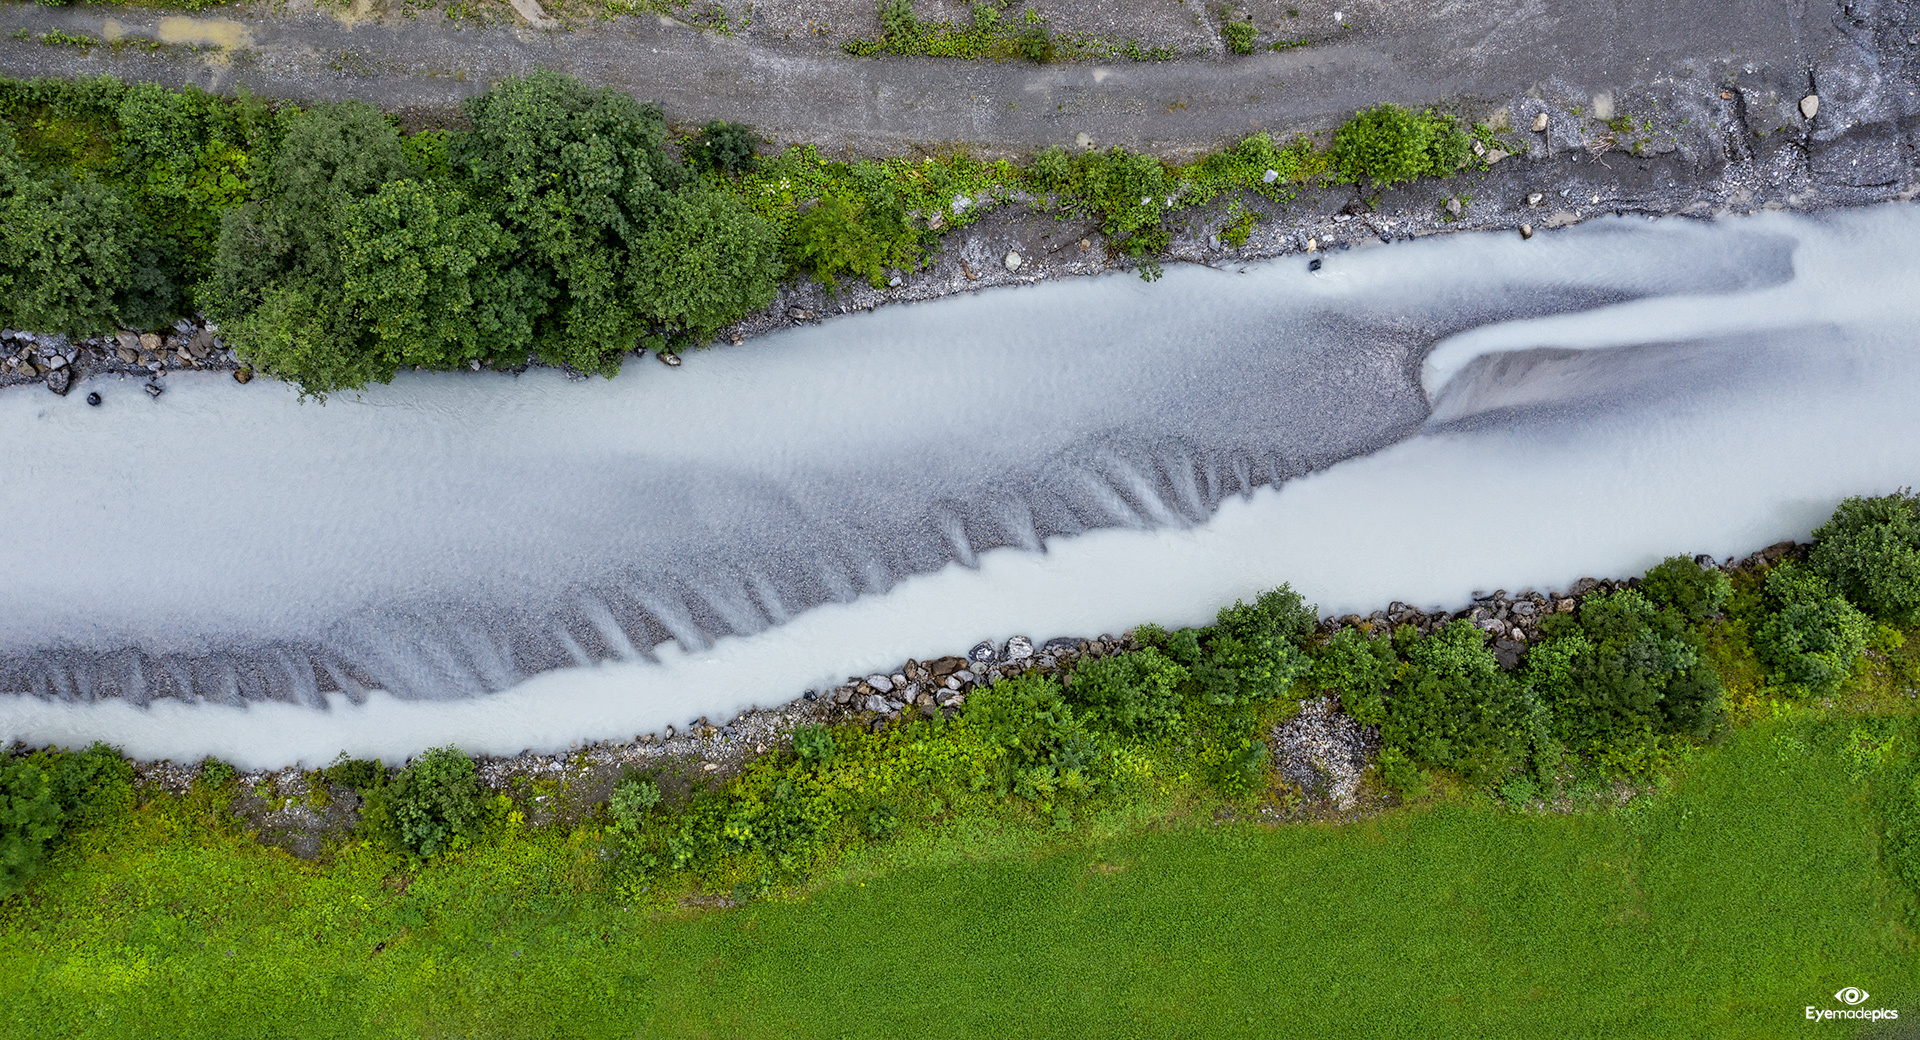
(1754, 439)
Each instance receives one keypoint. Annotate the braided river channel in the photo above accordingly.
(505, 563)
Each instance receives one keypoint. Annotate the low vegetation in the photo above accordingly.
(1571, 812)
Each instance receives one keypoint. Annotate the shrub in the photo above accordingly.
(852, 235)
(1358, 669)
(1252, 653)
(215, 774)
(1239, 36)
(1812, 639)
(1869, 550)
(723, 146)
(1044, 745)
(357, 773)
(1136, 694)
(633, 798)
(1693, 592)
(1453, 707)
(1401, 774)
(705, 260)
(30, 819)
(45, 793)
(74, 256)
(1128, 192)
(814, 744)
(1390, 145)
(1625, 668)
(433, 803)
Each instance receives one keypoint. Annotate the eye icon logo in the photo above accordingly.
(1851, 995)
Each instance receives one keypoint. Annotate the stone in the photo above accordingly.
(1270, 176)
(966, 678)
(150, 343)
(668, 358)
(951, 682)
(56, 362)
(154, 390)
(941, 667)
(94, 399)
(243, 374)
(880, 682)
(1313, 244)
(1496, 155)
(127, 357)
(1526, 231)
(60, 380)
(982, 652)
(1054, 646)
(1313, 264)
(1013, 260)
(937, 221)
(899, 679)
(799, 314)
(1540, 123)
(1019, 648)
(1453, 207)
(127, 340)
(201, 344)
(894, 282)
(1810, 105)
(1536, 198)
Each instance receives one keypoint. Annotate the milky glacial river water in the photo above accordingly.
(509, 563)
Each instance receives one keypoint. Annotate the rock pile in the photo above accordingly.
(61, 363)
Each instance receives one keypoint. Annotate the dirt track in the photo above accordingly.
(1424, 52)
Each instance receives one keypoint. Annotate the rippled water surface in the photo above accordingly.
(509, 563)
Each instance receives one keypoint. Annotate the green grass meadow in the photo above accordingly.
(1719, 907)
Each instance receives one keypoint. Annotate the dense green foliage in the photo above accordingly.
(1388, 145)
(335, 251)
(434, 803)
(1694, 592)
(1812, 637)
(1240, 36)
(1623, 671)
(1136, 694)
(43, 794)
(1453, 707)
(1870, 552)
(992, 34)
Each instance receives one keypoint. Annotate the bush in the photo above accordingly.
(1401, 774)
(433, 803)
(30, 819)
(1390, 145)
(1453, 707)
(1045, 746)
(1626, 668)
(704, 261)
(1135, 694)
(633, 798)
(1869, 551)
(1812, 639)
(1357, 669)
(357, 773)
(43, 794)
(814, 744)
(1693, 592)
(215, 774)
(1239, 36)
(1252, 653)
(1127, 192)
(723, 146)
(74, 256)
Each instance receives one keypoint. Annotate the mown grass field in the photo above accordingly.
(1719, 907)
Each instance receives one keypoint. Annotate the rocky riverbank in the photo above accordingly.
(1319, 755)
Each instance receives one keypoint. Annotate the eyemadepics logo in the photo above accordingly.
(1853, 997)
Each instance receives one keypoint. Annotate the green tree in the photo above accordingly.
(575, 175)
(1812, 638)
(1694, 592)
(1453, 707)
(1869, 550)
(74, 256)
(434, 802)
(1625, 666)
(419, 281)
(1359, 669)
(30, 819)
(705, 261)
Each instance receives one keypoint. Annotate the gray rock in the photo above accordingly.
(880, 682)
(1270, 176)
(1013, 260)
(60, 380)
(1052, 646)
(1535, 199)
(982, 653)
(1810, 105)
(1019, 648)
(952, 682)
(965, 678)
(154, 389)
(1540, 123)
(1453, 207)
(875, 702)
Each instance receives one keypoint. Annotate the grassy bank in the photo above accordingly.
(1716, 908)
(1693, 809)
